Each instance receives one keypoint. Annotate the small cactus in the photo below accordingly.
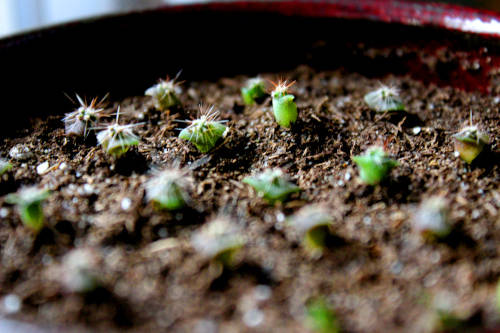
(79, 271)
(5, 166)
(205, 131)
(28, 203)
(314, 223)
(374, 165)
(80, 121)
(117, 139)
(431, 218)
(470, 141)
(254, 89)
(272, 185)
(168, 189)
(384, 99)
(284, 108)
(320, 318)
(165, 94)
(218, 241)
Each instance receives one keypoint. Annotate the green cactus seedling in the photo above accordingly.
(80, 121)
(314, 223)
(384, 99)
(28, 203)
(165, 94)
(205, 131)
(431, 219)
(284, 108)
(254, 89)
(168, 189)
(5, 166)
(470, 141)
(374, 165)
(117, 139)
(320, 318)
(272, 185)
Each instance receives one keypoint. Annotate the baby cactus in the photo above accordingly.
(84, 118)
(320, 318)
(205, 131)
(431, 218)
(314, 222)
(117, 139)
(284, 108)
(374, 165)
(165, 94)
(4, 166)
(272, 185)
(28, 203)
(469, 142)
(384, 99)
(79, 270)
(168, 189)
(254, 89)
(218, 241)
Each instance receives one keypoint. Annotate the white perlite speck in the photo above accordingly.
(126, 203)
(42, 168)
(11, 304)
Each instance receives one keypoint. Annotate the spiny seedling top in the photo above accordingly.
(254, 88)
(28, 201)
(272, 185)
(168, 189)
(4, 166)
(313, 222)
(284, 108)
(431, 218)
(374, 165)
(469, 142)
(206, 130)
(384, 99)
(165, 94)
(218, 240)
(117, 139)
(84, 118)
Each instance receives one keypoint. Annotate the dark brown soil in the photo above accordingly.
(379, 275)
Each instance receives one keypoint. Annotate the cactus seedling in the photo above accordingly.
(384, 99)
(165, 93)
(470, 141)
(79, 271)
(320, 318)
(431, 218)
(28, 203)
(117, 139)
(4, 166)
(218, 241)
(254, 89)
(272, 185)
(205, 131)
(85, 117)
(168, 189)
(314, 223)
(374, 165)
(284, 108)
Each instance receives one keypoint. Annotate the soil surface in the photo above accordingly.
(379, 275)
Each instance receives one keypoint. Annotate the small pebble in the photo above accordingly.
(347, 176)
(11, 303)
(126, 203)
(456, 154)
(416, 130)
(280, 217)
(42, 168)
(262, 292)
(20, 152)
(62, 166)
(4, 212)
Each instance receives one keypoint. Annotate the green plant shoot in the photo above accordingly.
(431, 219)
(28, 203)
(168, 189)
(284, 108)
(374, 165)
(384, 99)
(117, 139)
(272, 185)
(470, 141)
(219, 241)
(320, 318)
(165, 94)
(205, 131)
(314, 223)
(254, 89)
(5, 166)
